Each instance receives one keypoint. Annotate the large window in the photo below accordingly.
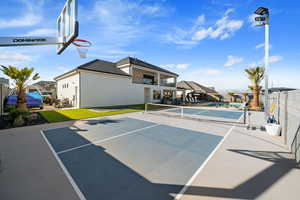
(156, 94)
(148, 79)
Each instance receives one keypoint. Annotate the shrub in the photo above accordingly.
(18, 116)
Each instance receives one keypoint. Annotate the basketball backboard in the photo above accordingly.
(67, 25)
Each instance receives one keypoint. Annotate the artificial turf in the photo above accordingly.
(71, 114)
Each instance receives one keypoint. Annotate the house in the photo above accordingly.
(195, 90)
(45, 88)
(126, 82)
(4, 91)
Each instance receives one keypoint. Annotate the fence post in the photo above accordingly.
(285, 117)
(181, 111)
(278, 107)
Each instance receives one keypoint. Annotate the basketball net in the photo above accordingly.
(82, 51)
(82, 47)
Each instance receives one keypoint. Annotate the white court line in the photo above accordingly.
(75, 187)
(181, 193)
(107, 139)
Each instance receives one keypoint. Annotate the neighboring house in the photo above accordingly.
(46, 88)
(278, 89)
(4, 92)
(126, 82)
(193, 89)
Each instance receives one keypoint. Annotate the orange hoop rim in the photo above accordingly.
(87, 43)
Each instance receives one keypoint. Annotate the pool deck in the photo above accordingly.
(249, 164)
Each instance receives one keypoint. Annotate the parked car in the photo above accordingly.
(33, 100)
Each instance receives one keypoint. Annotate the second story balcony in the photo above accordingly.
(140, 76)
(144, 77)
(168, 81)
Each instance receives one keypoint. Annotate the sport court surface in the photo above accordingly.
(128, 158)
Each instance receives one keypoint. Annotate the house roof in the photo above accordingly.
(43, 83)
(135, 61)
(279, 89)
(103, 66)
(99, 66)
(191, 85)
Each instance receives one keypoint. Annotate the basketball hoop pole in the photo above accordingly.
(28, 41)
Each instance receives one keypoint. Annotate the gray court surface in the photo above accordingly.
(209, 113)
(130, 159)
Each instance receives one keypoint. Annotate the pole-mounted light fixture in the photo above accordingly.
(262, 11)
(263, 20)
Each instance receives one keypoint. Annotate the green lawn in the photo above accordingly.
(71, 114)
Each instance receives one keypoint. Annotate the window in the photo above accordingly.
(147, 79)
(66, 85)
(168, 94)
(156, 94)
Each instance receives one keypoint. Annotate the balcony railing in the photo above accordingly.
(144, 82)
(168, 84)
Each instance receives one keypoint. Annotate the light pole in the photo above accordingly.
(264, 20)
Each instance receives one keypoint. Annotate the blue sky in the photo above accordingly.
(208, 41)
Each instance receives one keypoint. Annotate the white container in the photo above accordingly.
(273, 129)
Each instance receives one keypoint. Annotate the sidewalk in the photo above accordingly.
(249, 165)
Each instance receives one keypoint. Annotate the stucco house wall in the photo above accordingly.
(100, 89)
(67, 87)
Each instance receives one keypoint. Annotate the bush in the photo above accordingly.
(18, 116)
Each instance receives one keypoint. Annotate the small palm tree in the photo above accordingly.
(232, 96)
(245, 95)
(255, 75)
(218, 96)
(20, 77)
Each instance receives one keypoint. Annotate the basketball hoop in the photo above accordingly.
(82, 47)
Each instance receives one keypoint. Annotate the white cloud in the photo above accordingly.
(176, 66)
(200, 20)
(262, 45)
(212, 71)
(30, 17)
(251, 20)
(13, 58)
(202, 34)
(42, 32)
(232, 60)
(222, 29)
(27, 20)
(152, 10)
(182, 66)
(273, 59)
(118, 23)
(254, 64)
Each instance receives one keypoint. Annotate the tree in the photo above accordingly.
(219, 96)
(255, 75)
(245, 95)
(232, 96)
(20, 77)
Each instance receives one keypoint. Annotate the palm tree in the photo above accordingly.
(245, 95)
(255, 75)
(232, 95)
(218, 96)
(20, 77)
